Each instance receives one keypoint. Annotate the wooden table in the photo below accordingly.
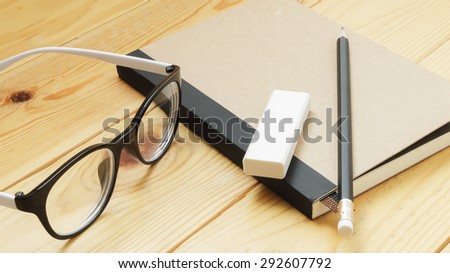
(194, 200)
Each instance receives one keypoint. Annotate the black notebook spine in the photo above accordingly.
(302, 185)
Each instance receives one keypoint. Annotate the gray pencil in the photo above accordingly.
(345, 166)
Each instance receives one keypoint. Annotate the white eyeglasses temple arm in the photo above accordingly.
(118, 59)
(7, 200)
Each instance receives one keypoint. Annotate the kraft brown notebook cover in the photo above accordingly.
(400, 110)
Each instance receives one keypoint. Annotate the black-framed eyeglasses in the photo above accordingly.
(75, 195)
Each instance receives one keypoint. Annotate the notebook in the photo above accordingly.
(231, 63)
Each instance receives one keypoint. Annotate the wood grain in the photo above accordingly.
(29, 24)
(152, 209)
(403, 214)
(194, 199)
(413, 29)
(79, 76)
(89, 91)
(446, 248)
(438, 61)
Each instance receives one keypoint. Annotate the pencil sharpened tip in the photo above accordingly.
(343, 34)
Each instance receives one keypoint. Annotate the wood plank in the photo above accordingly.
(261, 225)
(179, 204)
(76, 100)
(403, 214)
(29, 24)
(446, 249)
(67, 109)
(413, 29)
(78, 74)
(152, 208)
(439, 60)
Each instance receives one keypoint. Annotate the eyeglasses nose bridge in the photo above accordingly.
(127, 141)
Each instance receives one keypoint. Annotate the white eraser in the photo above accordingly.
(345, 227)
(279, 129)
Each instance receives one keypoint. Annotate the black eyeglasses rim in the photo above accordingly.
(140, 113)
(35, 201)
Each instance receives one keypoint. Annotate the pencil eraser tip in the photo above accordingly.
(272, 146)
(345, 227)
